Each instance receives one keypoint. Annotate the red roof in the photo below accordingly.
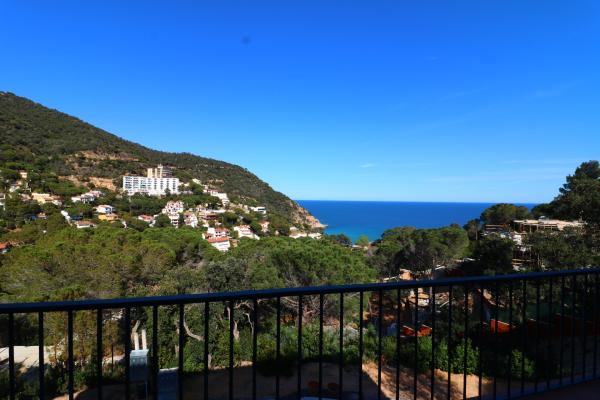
(5, 245)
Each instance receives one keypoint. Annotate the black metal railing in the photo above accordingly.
(477, 337)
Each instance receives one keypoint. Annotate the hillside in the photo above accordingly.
(78, 151)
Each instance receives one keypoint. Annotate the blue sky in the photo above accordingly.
(370, 100)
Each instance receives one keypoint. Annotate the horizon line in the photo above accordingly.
(425, 201)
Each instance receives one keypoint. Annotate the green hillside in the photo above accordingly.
(73, 148)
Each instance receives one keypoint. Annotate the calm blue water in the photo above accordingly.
(372, 218)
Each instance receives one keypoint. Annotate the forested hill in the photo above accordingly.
(73, 148)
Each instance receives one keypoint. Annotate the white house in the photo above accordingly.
(221, 244)
(245, 231)
(216, 233)
(105, 209)
(190, 219)
(173, 207)
(259, 209)
(174, 218)
(84, 224)
(87, 198)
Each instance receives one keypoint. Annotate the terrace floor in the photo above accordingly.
(218, 389)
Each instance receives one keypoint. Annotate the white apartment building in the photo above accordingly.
(150, 186)
(156, 183)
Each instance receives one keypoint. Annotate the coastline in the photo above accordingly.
(372, 218)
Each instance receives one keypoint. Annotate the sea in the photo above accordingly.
(372, 218)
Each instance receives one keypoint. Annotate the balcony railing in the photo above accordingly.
(481, 337)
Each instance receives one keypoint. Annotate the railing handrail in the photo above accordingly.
(128, 302)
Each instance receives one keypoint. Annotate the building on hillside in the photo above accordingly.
(87, 198)
(150, 186)
(46, 198)
(156, 183)
(315, 235)
(221, 244)
(221, 196)
(23, 174)
(244, 231)
(84, 224)
(82, 198)
(264, 226)
(108, 217)
(259, 209)
(105, 209)
(149, 219)
(533, 225)
(3, 201)
(159, 172)
(216, 233)
(173, 207)
(174, 218)
(190, 219)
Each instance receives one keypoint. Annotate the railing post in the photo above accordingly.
(11, 356)
(300, 314)
(206, 358)
(231, 349)
(155, 357)
(278, 347)
(41, 360)
(341, 355)
(99, 351)
(449, 347)
(180, 355)
(254, 345)
(70, 353)
(320, 345)
(127, 339)
(360, 345)
(433, 344)
(379, 336)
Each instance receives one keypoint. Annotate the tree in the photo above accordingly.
(567, 249)
(503, 214)
(473, 228)
(255, 226)
(579, 197)
(363, 241)
(493, 255)
(419, 250)
(162, 221)
(341, 239)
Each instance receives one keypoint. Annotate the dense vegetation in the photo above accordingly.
(55, 144)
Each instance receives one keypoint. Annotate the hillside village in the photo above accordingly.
(218, 220)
